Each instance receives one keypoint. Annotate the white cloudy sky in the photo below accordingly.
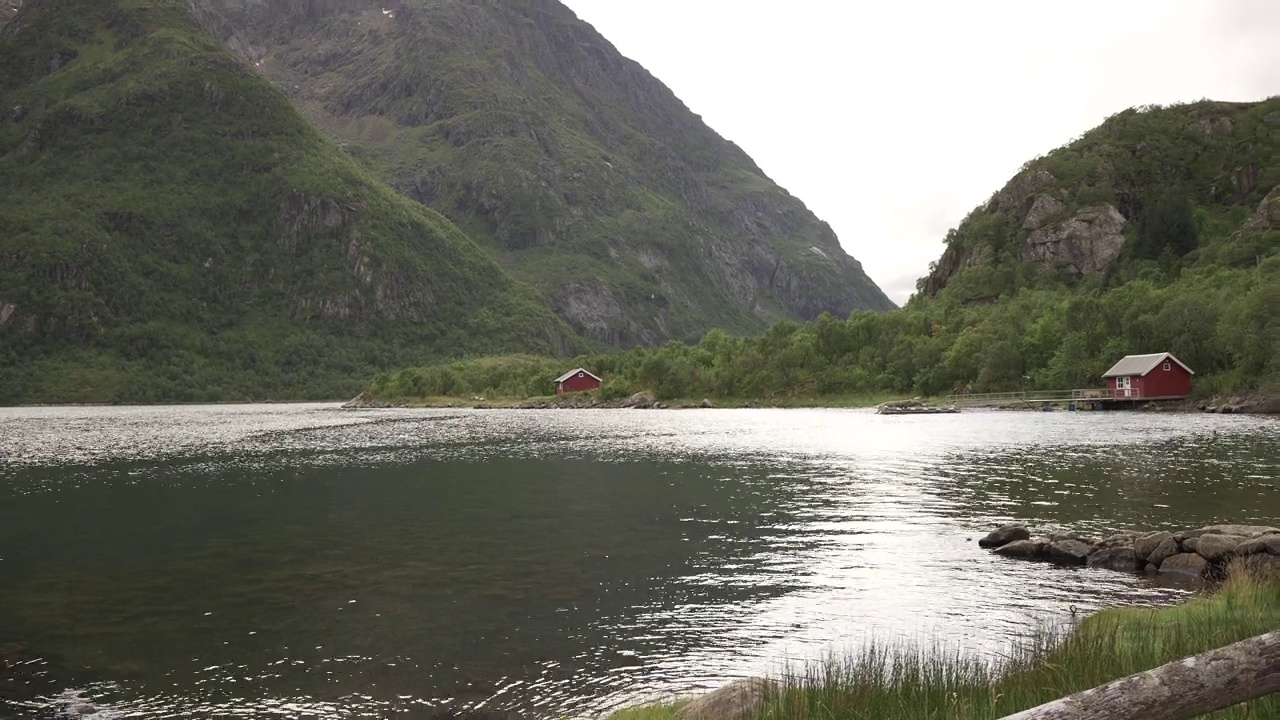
(892, 120)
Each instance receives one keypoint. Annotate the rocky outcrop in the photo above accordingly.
(1195, 554)
(740, 700)
(365, 401)
(1069, 212)
(1085, 244)
(1267, 215)
(8, 10)
(1044, 209)
(1263, 402)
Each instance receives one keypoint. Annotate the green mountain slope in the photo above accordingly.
(577, 169)
(1174, 185)
(174, 229)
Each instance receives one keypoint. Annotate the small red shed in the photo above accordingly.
(577, 380)
(1158, 376)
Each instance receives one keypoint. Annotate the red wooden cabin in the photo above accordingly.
(1159, 376)
(577, 380)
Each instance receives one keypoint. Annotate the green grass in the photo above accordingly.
(888, 682)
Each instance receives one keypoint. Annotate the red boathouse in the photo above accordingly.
(1159, 376)
(577, 380)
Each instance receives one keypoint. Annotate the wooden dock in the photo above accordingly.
(1080, 398)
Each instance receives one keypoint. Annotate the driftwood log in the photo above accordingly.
(1183, 689)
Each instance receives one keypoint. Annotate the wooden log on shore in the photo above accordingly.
(1182, 689)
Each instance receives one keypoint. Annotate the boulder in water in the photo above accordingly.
(1185, 564)
(1114, 558)
(1004, 535)
(1068, 551)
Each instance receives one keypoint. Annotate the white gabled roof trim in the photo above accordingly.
(1131, 365)
(575, 371)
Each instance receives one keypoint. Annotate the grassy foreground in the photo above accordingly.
(892, 682)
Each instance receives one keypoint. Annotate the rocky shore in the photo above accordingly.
(1199, 554)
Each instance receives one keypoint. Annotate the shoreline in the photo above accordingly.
(1197, 555)
(647, 401)
(906, 681)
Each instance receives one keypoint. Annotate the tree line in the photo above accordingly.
(1220, 321)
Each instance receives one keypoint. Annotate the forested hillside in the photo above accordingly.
(578, 170)
(1043, 287)
(173, 229)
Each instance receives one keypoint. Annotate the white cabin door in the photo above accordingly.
(1122, 386)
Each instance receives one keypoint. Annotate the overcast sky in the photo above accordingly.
(892, 120)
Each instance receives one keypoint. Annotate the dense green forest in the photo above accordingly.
(1043, 287)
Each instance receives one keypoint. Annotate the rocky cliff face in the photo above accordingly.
(576, 168)
(1078, 210)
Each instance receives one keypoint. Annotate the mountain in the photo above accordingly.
(577, 169)
(1157, 231)
(175, 230)
(1196, 183)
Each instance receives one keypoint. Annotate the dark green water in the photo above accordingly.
(300, 561)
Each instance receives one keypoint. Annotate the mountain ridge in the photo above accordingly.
(580, 172)
(176, 230)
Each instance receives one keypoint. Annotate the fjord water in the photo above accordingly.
(304, 561)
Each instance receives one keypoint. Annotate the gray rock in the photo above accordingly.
(1269, 544)
(1167, 548)
(1068, 551)
(707, 403)
(1114, 558)
(1146, 544)
(1055, 537)
(1118, 540)
(1214, 547)
(1004, 535)
(1263, 567)
(1084, 244)
(1189, 545)
(1249, 531)
(641, 400)
(1188, 564)
(1021, 549)
(738, 700)
(1043, 209)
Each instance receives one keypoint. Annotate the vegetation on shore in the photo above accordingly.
(1218, 320)
(890, 682)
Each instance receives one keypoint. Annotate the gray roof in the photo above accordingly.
(1131, 365)
(575, 371)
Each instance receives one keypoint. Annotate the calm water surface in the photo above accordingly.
(302, 561)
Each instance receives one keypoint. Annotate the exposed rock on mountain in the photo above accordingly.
(1085, 243)
(575, 167)
(1142, 185)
